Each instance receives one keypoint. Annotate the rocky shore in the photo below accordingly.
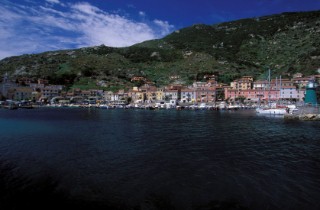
(305, 114)
(304, 117)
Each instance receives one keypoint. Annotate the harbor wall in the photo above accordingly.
(305, 113)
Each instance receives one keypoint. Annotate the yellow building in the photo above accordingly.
(244, 83)
(160, 94)
(136, 95)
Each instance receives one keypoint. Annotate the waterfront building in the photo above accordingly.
(114, 97)
(206, 94)
(160, 94)
(290, 93)
(249, 95)
(20, 93)
(171, 95)
(260, 85)
(136, 95)
(277, 83)
(108, 95)
(301, 82)
(151, 94)
(119, 96)
(255, 95)
(147, 93)
(85, 93)
(51, 91)
(6, 85)
(244, 83)
(188, 95)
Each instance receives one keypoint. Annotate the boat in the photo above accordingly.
(222, 105)
(271, 111)
(202, 106)
(292, 109)
(233, 107)
(25, 105)
(103, 106)
(9, 105)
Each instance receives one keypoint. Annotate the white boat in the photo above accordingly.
(233, 107)
(222, 105)
(271, 111)
(202, 106)
(272, 108)
(103, 106)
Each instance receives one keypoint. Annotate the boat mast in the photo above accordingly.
(269, 78)
(276, 88)
(280, 90)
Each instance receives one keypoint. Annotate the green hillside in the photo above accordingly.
(286, 43)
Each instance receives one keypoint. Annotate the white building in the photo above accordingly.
(171, 94)
(51, 91)
(291, 93)
(188, 95)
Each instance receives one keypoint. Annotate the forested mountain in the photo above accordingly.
(286, 43)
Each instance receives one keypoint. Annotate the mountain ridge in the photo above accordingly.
(287, 43)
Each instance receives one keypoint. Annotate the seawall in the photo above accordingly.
(306, 113)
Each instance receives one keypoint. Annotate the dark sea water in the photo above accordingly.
(163, 159)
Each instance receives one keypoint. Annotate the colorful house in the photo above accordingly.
(188, 95)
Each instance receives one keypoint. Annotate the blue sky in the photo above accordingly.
(33, 26)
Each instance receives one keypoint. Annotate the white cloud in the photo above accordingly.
(53, 1)
(35, 28)
(142, 14)
(165, 27)
(86, 8)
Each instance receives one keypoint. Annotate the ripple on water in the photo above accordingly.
(187, 158)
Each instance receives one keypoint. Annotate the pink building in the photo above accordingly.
(206, 94)
(252, 95)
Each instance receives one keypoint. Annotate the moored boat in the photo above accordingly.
(271, 111)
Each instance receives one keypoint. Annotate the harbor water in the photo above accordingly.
(157, 159)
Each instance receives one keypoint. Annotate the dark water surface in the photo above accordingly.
(164, 159)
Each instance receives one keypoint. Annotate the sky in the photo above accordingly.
(35, 26)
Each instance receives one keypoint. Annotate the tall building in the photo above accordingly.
(6, 85)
